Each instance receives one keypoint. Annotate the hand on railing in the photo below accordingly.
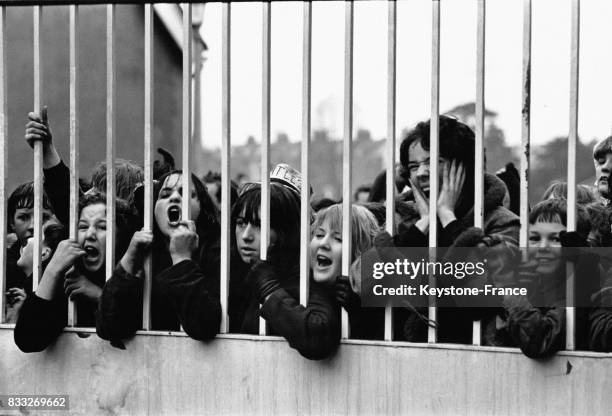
(263, 279)
(78, 286)
(183, 242)
(133, 258)
(37, 129)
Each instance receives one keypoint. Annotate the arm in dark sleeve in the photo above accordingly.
(454, 228)
(57, 188)
(194, 295)
(600, 322)
(313, 330)
(40, 322)
(539, 332)
(120, 307)
(410, 237)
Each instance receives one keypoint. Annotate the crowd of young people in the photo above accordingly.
(185, 253)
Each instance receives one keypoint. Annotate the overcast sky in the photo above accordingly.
(550, 66)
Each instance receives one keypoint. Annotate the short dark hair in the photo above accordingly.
(319, 204)
(23, 197)
(362, 188)
(555, 211)
(602, 148)
(456, 141)
(284, 214)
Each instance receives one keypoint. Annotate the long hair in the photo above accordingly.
(284, 216)
(207, 225)
(363, 223)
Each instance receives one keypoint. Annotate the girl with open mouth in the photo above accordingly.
(76, 271)
(326, 265)
(271, 289)
(185, 256)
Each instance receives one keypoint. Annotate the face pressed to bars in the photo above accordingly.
(418, 167)
(248, 238)
(326, 253)
(92, 236)
(603, 169)
(168, 212)
(545, 243)
(23, 223)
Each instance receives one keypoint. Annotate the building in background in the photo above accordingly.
(92, 83)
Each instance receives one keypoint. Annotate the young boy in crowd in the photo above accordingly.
(20, 214)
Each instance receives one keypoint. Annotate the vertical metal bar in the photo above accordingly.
(74, 137)
(3, 160)
(186, 138)
(347, 150)
(186, 144)
(265, 140)
(305, 165)
(148, 158)
(225, 163)
(525, 127)
(38, 156)
(570, 311)
(480, 132)
(434, 153)
(111, 100)
(390, 144)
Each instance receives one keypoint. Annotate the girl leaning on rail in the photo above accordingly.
(271, 289)
(326, 269)
(76, 271)
(185, 282)
(536, 322)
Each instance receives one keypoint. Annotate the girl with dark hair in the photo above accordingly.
(76, 271)
(274, 284)
(185, 284)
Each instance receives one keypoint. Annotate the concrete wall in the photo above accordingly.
(92, 93)
(237, 375)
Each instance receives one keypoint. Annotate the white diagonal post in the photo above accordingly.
(480, 132)
(265, 140)
(74, 137)
(525, 129)
(570, 310)
(38, 151)
(111, 106)
(347, 150)
(148, 159)
(225, 164)
(390, 144)
(434, 156)
(305, 165)
(3, 160)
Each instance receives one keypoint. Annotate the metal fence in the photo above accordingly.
(111, 74)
